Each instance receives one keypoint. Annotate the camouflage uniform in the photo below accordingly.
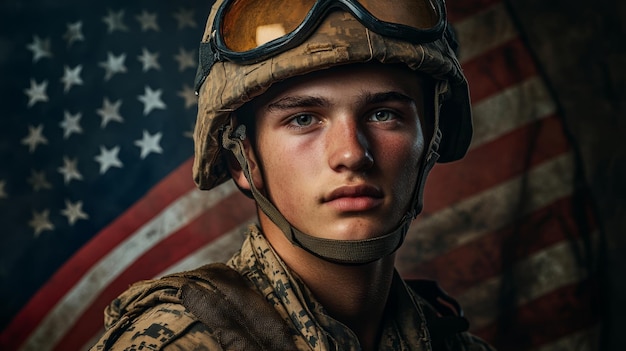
(151, 315)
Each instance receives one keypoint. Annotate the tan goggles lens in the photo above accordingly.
(248, 24)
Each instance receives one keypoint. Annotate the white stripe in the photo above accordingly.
(510, 109)
(484, 31)
(65, 313)
(586, 340)
(545, 271)
(431, 236)
(219, 250)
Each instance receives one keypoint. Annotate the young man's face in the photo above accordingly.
(337, 151)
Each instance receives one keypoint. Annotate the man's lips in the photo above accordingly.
(354, 191)
(354, 198)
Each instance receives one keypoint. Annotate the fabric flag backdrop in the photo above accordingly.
(96, 191)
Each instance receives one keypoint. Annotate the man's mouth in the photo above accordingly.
(354, 198)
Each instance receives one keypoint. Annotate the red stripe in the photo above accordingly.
(231, 212)
(169, 189)
(460, 10)
(499, 68)
(465, 266)
(546, 319)
(494, 162)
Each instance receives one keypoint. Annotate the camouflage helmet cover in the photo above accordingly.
(339, 39)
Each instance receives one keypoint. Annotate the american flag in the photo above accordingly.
(96, 190)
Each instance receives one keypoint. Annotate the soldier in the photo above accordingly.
(329, 114)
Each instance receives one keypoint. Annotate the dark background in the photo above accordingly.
(581, 47)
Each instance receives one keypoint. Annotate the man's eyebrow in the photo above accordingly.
(376, 98)
(289, 102)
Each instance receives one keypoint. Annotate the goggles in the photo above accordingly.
(249, 31)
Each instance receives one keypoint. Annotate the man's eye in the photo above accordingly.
(302, 120)
(382, 116)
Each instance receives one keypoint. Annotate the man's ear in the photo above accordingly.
(237, 173)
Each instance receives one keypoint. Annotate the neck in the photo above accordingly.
(355, 295)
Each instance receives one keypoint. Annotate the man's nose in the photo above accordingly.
(349, 147)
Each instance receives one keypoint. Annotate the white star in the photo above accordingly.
(185, 18)
(71, 124)
(3, 194)
(74, 33)
(71, 77)
(185, 59)
(114, 64)
(36, 92)
(149, 143)
(189, 95)
(114, 21)
(148, 21)
(34, 138)
(40, 48)
(38, 180)
(69, 170)
(110, 112)
(74, 212)
(108, 159)
(40, 222)
(151, 100)
(149, 60)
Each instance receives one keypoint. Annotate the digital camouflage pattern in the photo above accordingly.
(150, 315)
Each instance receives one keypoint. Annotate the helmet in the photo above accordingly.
(228, 78)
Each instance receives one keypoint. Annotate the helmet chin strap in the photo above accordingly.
(354, 252)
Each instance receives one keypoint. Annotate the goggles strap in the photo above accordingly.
(338, 251)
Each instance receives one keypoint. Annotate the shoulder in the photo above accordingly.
(150, 315)
(446, 322)
(165, 326)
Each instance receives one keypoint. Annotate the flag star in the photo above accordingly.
(40, 222)
(71, 124)
(74, 212)
(71, 77)
(189, 95)
(185, 59)
(149, 143)
(69, 170)
(148, 21)
(40, 48)
(184, 18)
(34, 138)
(151, 100)
(108, 159)
(3, 193)
(36, 92)
(149, 60)
(74, 33)
(38, 180)
(114, 64)
(114, 21)
(110, 112)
